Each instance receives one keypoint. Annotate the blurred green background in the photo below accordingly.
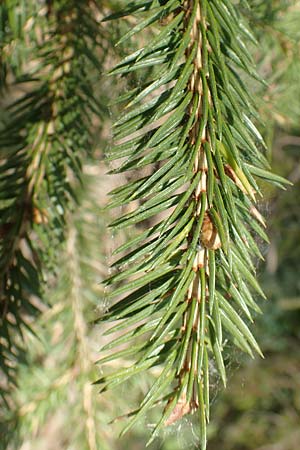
(55, 406)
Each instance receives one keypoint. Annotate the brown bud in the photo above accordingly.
(181, 409)
(209, 234)
(39, 216)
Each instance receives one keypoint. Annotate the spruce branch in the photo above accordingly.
(56, 382)
(45, 136)
(186, 285)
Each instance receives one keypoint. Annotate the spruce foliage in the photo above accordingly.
(183, 290)
(50, 56)
(186, 285)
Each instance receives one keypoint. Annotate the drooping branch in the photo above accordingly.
(189, 280)
(46, 135)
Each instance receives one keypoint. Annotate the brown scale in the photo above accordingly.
(209, 235)
(181, 408)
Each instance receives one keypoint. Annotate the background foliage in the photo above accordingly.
(261, 407)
